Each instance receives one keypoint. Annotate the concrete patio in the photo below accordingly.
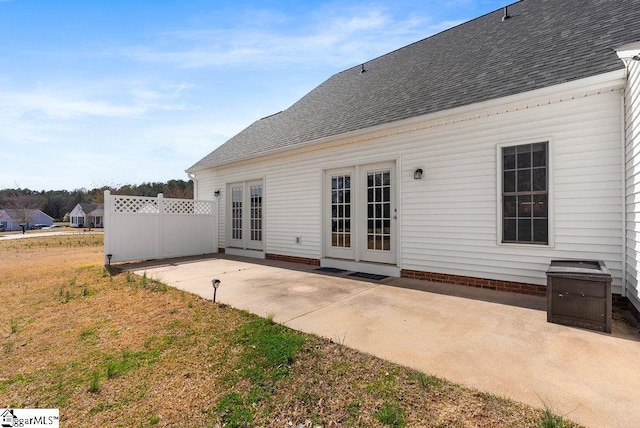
(493, 341)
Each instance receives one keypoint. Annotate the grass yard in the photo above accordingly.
(126, 351)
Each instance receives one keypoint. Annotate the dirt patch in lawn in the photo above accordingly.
(625, 323)
(123, 350)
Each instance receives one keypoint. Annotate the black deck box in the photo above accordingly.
(579, 294)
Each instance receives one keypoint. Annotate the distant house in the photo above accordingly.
(12, 219)
(475, 156)
(87, 215)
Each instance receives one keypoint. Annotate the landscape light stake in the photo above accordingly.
(109, 259)
(215, 283)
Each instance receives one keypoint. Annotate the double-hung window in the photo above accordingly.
(525, 194)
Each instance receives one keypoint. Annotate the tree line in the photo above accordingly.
(58, 203)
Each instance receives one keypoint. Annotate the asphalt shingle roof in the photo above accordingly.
(88, 208)
(543, 43)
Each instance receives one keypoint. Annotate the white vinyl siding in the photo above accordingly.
(447, 222)
(632, 114)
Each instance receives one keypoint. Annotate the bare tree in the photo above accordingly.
(23, 206)
(178, 189)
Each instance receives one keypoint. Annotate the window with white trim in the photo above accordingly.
(525, 194)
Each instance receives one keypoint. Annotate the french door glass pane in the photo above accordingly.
(236, 212)
(256, 212)
(341, 211)
(378, 210)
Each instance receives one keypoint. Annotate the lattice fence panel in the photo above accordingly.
(178, 206)
(204, 207)
(188, 206)
(132, 205)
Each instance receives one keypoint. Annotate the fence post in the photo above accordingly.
(107, 225)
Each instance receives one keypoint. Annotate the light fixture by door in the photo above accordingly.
(417, 175)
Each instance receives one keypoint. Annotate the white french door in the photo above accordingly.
(377, 214)
(339, 211)
(245, 215)
(360, 213)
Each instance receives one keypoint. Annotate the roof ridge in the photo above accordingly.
(428, 37)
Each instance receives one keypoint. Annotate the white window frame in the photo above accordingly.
(550, 192)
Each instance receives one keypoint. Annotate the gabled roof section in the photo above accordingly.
(88, 209)
(16, 214)
(543, 43)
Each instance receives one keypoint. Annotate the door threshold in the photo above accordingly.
(240, 252)
(366, 267)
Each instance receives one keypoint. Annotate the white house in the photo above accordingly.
(87, 215)
(11, 219)
(475, 156)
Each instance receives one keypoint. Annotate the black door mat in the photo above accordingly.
(368, 276)
(330, 270)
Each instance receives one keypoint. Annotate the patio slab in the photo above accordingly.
(493, 341)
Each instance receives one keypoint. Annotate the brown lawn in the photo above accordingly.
(119, 350)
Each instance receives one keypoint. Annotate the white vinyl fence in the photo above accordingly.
(144, 228)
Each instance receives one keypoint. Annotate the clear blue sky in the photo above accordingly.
(104, 93)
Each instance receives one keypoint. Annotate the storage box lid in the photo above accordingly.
(579, 269)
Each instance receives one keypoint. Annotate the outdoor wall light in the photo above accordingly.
(216, 193)
(417, 175)
(215, 283)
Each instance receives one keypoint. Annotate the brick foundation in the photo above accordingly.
(293, 259)
(491, 284)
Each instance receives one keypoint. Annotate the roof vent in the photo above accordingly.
(506, 14)
(271, 115)
(362, 70)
